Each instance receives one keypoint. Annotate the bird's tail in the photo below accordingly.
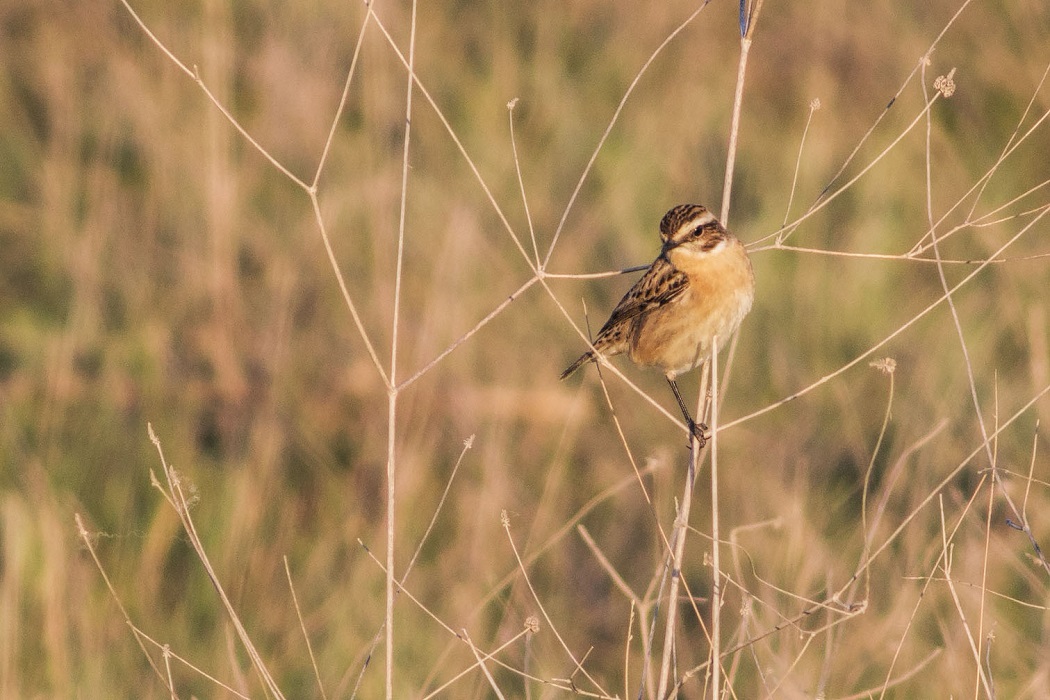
(585, 357)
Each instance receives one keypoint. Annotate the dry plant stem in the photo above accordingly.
(168, 655)
(505, 519)
(391, 471)
(521, 182)
(452, 135)
(914, 254)
(708, 370)
(1010, 142)
(627, 447)
(491, 656)
(716, 558)
(637, 604)
(388, 620)
(593, 275)
(342, 103)
(612, 122)
(86, 537)
(826, 200)
(829, 655)
(772, 692)
(867, 534)
(344, 290)
(311, 190)
(904, 677)
(605, 363)
(954, 473)
(984, 588)
(944, 281)
(302, 627)
(898, 256)
(408, 594)
(488, 656)
(935, 492)
(993, 593)
(466, 336)
(195, 76)
(467, 445)
(966, 354)
(813, 106)
(745, 617)
(175, 496)
(830, 604)
(928, 579)
(364, 666)
(167, 669)
(727, 189)
(526, 655)
(627, 655)
(652, 593)
(894, 474)
(667, 543)
(820, 201)
(914, 319)
(738, 101)
(1031, 471)
(647, 640)
(617, 579)
(481, 664)
(978, 187)
(678, 534)
(947, 567)
(557, 536)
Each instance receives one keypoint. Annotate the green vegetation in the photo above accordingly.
(157, 268)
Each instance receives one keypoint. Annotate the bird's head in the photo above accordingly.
(694, 229)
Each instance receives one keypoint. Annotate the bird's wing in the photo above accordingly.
(662, 283)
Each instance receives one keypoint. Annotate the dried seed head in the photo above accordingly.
(886, 365)
(945, 85)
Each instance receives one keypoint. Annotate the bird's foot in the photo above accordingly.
(699, 431)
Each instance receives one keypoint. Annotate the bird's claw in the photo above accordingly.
(699, 431)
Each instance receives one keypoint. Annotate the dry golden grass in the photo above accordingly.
(158, 268)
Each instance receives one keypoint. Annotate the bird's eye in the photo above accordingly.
(698, 231)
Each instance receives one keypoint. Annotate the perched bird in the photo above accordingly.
(699, 288)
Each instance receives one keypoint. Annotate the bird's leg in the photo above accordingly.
(697, 429)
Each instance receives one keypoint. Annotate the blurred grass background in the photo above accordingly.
(155, 268)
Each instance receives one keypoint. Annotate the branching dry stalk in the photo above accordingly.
(392, 395)
(678, 533)
(578, 663)
(537, 261)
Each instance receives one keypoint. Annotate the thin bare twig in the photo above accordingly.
(176, 496)
(391, 430)
(678, 533)
(874, 348)
(505, 521)
(947, 568)
(612, 122)
(302, 627)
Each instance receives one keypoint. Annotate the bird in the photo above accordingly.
(699, 289)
